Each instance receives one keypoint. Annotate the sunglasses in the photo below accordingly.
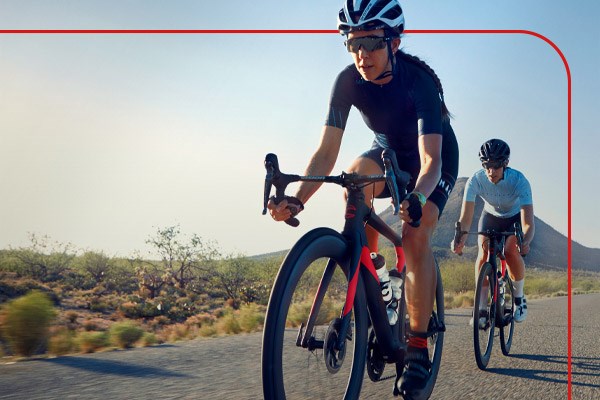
(367, 43)
(492, 164)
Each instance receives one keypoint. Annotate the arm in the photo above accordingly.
(466, 218)
(430, 150)
(321, 163)
(528, 224)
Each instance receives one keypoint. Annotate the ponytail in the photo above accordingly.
(420, 63)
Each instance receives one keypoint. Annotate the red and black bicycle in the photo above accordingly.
(326, 320)
(494, 289)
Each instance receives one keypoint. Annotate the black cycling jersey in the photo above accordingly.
(398, 112)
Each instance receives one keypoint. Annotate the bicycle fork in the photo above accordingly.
(361, 270)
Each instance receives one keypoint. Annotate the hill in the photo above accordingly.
(548, 250)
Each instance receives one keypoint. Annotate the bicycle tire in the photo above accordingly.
(290, 371)
(483, 336)
(508, 329)
(435, 343)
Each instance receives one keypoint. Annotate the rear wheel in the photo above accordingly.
(506, 307)
(301, 359)
(484, 317)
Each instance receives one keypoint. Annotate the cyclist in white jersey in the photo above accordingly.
(507, 199)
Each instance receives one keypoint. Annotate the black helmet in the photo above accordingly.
(494, 149)
(367, 15)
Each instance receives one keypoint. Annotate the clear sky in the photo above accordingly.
(105, 138)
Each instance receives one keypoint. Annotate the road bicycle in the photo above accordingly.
(496, 288)
(311, 349)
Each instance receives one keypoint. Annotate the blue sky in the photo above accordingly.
(104, 138)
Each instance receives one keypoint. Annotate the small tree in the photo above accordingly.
(182, 260)
(237, 277)
(43, 260)
(151, 278)
(25, 322)
(97, 265)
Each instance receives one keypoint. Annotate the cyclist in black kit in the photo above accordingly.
(401, 99)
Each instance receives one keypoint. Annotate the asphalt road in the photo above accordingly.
(229, 367)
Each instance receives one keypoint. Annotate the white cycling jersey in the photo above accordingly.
(503, 199)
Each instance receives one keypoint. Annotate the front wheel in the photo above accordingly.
(484, 311)
(300, 357)
(436, 329)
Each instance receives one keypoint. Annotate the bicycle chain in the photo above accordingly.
(385, 378)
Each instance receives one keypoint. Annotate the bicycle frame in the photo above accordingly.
(496, 249)
(357, 213)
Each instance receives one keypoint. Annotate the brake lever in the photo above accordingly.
(280, 181)
(458, 232)
(519, 235)
(272, 167)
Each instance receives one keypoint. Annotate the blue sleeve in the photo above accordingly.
(428, 105)
(340, 101)
(525, 196)
(471, 190)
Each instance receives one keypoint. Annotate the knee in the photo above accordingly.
(417, 239)
(512, 254)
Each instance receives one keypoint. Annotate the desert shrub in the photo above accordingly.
(208, 330)
(459, 300)
(72, 316)
(200, 320)
(176, 332)
(62, 342)
(251, 317)
(97, 305)
(229, 324)
(26, 321)
(457, 276)
(90, 325)
(141, 309)
(149, 339)
(298, 312)
(538, 285)
(158, 322)
(125, 334)
(90, 342)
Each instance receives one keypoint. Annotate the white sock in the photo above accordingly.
(518, 288)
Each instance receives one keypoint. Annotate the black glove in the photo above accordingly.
(415, 208)
(294, 205)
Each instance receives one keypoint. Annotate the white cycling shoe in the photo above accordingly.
(483, 319)
(520, 313)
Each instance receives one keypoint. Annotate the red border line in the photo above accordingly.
(166, 31)
(417, 31)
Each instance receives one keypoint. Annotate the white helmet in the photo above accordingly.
(366, 15)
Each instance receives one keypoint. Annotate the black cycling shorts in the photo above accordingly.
(488, 221)
(412, 165)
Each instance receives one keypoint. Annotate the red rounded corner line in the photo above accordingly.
(411, 31)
